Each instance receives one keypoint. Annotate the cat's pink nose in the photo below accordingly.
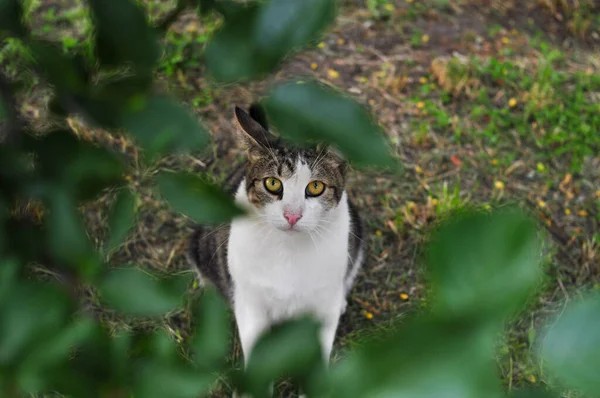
(292, 218)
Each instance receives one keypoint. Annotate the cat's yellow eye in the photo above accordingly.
(315, 188)
(273, 185)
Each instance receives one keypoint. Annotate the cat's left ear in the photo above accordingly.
(253, 133)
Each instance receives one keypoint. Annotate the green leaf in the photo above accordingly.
(159, 380)
(205, 6)
(31, 314)
(571, 348)
(232, 53)
(284, 25)
(67, 237)
(533, 393)
(4, 212)
(201, 201)
(56, 350)
(291, 348)
(310, 112)
(422, 358)
(121, 219)
(211, 342)
(123, 35)
(11, 15)
(161, 126)
(3, 110)
(76, 166)
(92, 170)
(66, 73)
(136, 292)
(106, 104)
(255, 40)
(484, 263)
(9, 270)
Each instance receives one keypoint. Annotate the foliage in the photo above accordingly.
(481, 266)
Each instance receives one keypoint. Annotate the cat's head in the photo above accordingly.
(290, 188)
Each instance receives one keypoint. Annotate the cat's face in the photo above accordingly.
(291, 189)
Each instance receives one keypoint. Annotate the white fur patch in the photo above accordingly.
(279, 274)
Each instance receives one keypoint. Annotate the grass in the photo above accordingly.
(480, 113)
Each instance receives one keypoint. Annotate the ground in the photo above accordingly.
(486, 102)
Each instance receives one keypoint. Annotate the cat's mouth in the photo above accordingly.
(291, 229)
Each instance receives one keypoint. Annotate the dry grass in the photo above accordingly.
(437, 106)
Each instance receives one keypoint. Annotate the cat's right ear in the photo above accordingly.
(253, 134)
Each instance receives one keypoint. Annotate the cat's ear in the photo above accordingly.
(334, 157)
(253, 134)
(258, 113)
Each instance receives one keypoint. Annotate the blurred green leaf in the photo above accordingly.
(291, 348)
(121, 219)
(55, 350)
(205, 6)
(161, 125)
(211, 341)
(27, 240)
(310, 112)
(92, 170)
(3, 110)
(159, 380)
(123, 35)
(533, 393)
(62, 71)
(9, 270)
(254, 40)
(284, 25)
(3, 216)
(11, 15)
(136, 292)
(92, 367)
(201, 201)
(105, 104)
(76, 166)
(229, 9)
(67, 237)
(164, 346)
(423, 358)
(571, 348)
(32, 314)
(232, 53)
(484, 263)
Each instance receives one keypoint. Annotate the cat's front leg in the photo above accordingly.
(327, 335)
(252, 321)
(251, 318)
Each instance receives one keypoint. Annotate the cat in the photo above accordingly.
(298, 248)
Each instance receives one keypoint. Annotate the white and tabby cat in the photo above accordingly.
(299, 247)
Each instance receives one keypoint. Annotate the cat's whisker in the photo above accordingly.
(215, 230)
(217, 249)
(320, 156)
(315, 243)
